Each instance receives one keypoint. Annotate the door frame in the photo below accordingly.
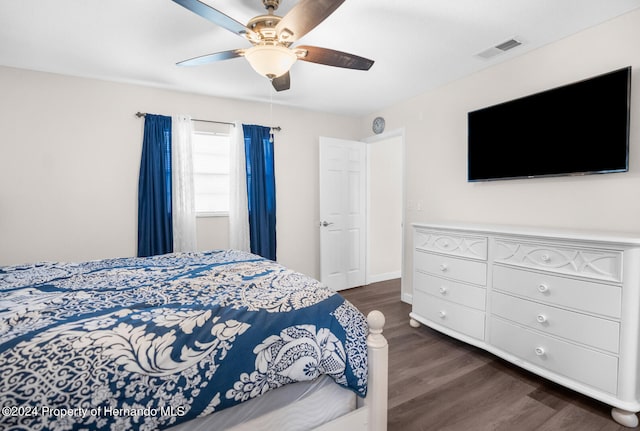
(369, 140)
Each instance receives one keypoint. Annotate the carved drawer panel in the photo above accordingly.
(587, 262)
(470, 246)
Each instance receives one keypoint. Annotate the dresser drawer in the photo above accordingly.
(586, 262)
(582, 328)
(566, 359)
(460, 293)
(465, 320)
(470, 246)
(599, 298)
(471, 271)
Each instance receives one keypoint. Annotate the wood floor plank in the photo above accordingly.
(437, 383)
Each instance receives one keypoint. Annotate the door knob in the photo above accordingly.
(325, 223)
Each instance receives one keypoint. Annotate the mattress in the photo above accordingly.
(295, 407)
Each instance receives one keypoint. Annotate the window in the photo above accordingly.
(211, 173)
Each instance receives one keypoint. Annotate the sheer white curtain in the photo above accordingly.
(183, 202)
(238, 204)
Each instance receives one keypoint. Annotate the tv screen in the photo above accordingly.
(580, 128)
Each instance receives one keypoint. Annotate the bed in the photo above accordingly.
(209, 340)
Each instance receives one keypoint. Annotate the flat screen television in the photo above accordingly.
(577, 129)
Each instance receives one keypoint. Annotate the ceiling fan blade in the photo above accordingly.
(304, 17)
(335, 58)
(210, 58)
(216, 17)
(282, 82)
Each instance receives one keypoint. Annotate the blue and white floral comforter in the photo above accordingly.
(147, 343)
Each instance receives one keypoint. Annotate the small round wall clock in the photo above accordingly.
(378, 125)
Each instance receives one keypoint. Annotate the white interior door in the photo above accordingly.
(342, 213)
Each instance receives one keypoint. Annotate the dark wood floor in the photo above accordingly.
(439, 383)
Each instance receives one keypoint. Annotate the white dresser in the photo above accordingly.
(564, 305)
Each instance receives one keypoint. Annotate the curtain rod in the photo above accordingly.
(142, 114)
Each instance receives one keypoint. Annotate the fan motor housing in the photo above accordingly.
(265, 25)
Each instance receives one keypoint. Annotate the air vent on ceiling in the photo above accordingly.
(499, 48)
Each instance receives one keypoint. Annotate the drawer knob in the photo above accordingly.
(546, 258)
(442, 314)
(443, 290)
(539, 351)
(443, 267)
(541, 318)
(543, 288)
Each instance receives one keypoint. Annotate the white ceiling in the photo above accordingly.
(416, 44)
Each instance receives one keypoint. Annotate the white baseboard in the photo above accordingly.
(407, 297)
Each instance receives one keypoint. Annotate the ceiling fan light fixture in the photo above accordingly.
(271, 61)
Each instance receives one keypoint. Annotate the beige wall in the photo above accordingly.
(436, 139)
(70, 155)
(70, 151)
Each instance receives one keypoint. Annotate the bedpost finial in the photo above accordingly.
(376, 321)
(375, 340)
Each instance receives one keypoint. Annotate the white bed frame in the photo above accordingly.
(371, 413)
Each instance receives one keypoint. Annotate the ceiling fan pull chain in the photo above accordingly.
(271, 113)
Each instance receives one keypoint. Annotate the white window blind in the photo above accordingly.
(211, 173)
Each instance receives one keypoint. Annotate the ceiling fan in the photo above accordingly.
(272, 36)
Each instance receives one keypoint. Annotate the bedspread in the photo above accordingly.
(146, 343)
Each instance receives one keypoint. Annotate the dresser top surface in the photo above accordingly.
(600, 236)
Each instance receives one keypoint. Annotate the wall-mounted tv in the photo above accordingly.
(577, 129)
